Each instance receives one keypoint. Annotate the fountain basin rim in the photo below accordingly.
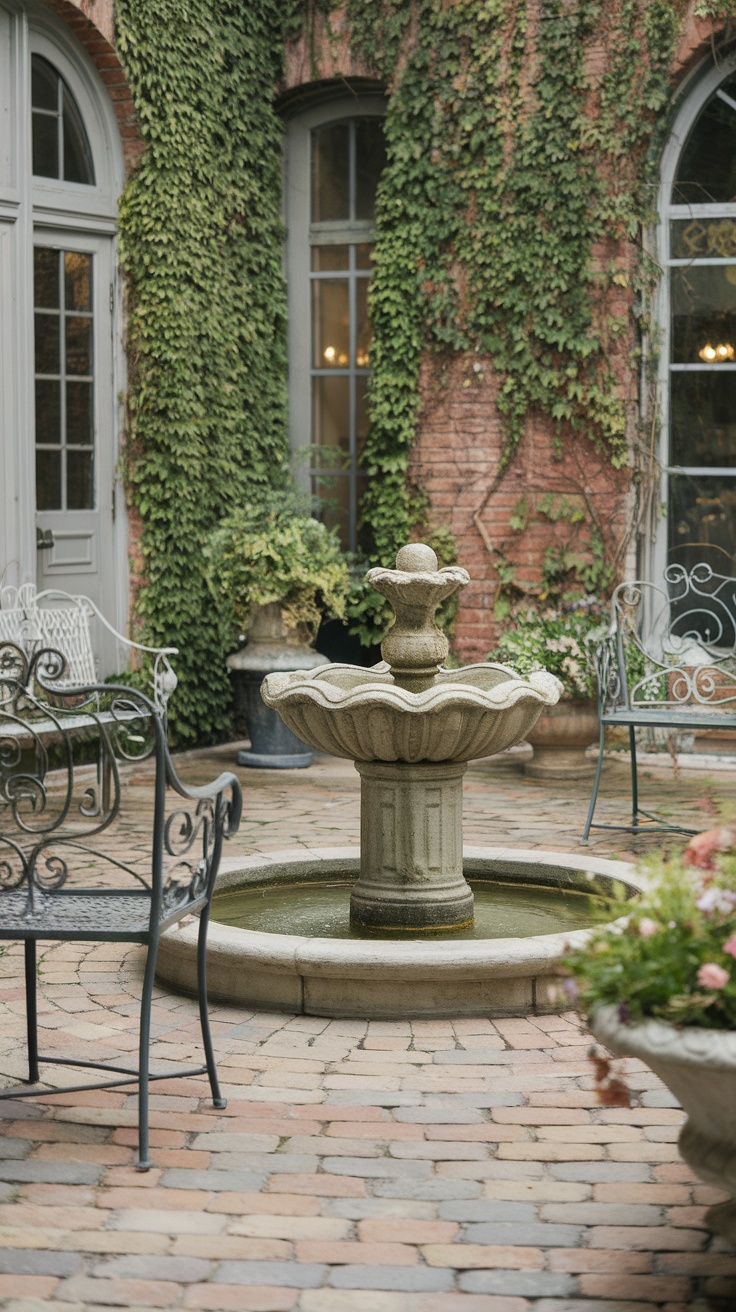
(292, 964)
(315, 686)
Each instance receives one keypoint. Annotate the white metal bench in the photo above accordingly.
(36, 621)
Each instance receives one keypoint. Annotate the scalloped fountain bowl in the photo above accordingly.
(365, 715)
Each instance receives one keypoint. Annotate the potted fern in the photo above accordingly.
(274, 571)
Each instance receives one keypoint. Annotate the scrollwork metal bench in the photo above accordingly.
(66, 873)
(668, 662)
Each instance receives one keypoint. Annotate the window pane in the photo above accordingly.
(363, 327)
(45, 145)
(703, 418)
(334, 495)
(330, 324)
(702, 521)
(704, 314)
(330, 418)
(44, 84)
(327, 258)
(79, 491)
(48, 411)
(692, 238)
(77, 154)
(47, 343)
(707, 168)
(48, 480)
(363, 252)
(45, 278)
(77, 280)
(361, 411)
(79, 414)
(78, 345)
(370, 157)
(330, 173)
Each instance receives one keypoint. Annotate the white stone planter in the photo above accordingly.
(699, 1067)
(560, 737)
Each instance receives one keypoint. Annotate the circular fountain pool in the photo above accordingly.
(280, 937)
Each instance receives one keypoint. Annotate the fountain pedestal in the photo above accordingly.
(411, 869)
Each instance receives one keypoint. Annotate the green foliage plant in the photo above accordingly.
(201, 244)
(556, 639)
(673, 957)
(265, 553)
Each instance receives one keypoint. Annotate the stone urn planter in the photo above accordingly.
(699, 1067)
(271, 648)
(560, 737)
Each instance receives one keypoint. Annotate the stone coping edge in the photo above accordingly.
(370, 958)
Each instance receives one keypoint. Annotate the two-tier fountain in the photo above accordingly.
(411, 727)
(409, 945)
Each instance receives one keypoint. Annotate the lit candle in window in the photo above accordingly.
(329, 354)
(723, 351)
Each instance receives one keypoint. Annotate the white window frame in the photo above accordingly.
(694, 94)
(299, 240)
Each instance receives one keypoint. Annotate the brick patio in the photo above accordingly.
(432, 1166)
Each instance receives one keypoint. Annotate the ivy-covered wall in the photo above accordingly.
(509, 297)
(201, 243)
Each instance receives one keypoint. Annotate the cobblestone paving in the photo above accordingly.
(430, 1166)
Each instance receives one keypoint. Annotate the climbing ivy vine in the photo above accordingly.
(520, 172)
(521, 144)
(201, 243)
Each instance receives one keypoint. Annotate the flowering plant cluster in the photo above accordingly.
(674, 958)
(555, 640)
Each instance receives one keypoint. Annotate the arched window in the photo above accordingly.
(699, 247)
(335, 155)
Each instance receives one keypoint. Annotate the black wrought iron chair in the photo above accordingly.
(65, 871)
(667, 662)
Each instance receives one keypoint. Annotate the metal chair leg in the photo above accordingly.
(634, 781)
(31, 1010)
(144, 1044)
(204, 1019)
(596, 785)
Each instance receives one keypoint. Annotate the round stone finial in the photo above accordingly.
(417, 558)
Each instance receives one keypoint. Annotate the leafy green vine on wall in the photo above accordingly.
(520, 172)
(201, 243)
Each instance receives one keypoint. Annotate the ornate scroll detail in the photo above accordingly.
(51, 812)
(672, 648)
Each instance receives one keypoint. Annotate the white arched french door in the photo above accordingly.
(698, 327)
(60, 176)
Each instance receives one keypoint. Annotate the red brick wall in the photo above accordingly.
(459, 440)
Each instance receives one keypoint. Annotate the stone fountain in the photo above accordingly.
(411, 727)
(282, 936)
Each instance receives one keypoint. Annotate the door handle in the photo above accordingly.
(44, 539)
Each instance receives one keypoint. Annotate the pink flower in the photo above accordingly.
(702, 848)
(647, 927)
(716, 899)
(713, 976)
(730, 946)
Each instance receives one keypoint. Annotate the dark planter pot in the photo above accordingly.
(272, 745)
